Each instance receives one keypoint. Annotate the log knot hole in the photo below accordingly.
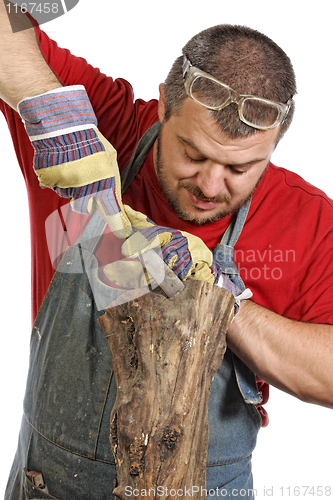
(137, 449)
(170, 437)
(136, 454)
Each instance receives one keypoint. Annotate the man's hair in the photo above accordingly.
(246, 60)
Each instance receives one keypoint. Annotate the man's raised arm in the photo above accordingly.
(23, 69)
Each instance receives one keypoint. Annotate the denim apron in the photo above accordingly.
(71, 389)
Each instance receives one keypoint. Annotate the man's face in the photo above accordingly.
(204, 174)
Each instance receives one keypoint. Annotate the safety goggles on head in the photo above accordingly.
(256, 112)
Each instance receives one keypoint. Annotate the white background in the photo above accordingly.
(139, 41)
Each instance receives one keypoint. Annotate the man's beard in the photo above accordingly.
(174, 202)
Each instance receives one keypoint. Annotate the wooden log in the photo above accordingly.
(165, 353)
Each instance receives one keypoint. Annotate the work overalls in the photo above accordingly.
(71, 389)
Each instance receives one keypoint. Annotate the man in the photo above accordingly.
(208, 164)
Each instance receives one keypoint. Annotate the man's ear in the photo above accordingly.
(161, 103)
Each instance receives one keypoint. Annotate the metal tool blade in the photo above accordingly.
(162, 274)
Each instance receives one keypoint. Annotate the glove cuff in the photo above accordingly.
(62, 127)
(60, 111)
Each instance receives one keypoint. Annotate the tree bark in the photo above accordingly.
(165, 353)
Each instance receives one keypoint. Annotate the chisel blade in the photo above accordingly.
(162, 274)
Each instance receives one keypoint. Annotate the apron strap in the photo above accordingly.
(139, 155)
(224, 251)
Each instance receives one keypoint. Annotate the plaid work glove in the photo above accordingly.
(184, 253)
(72, 157)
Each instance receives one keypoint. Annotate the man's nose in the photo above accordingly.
(212, 180)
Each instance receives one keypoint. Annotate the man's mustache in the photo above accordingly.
(196, 191)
